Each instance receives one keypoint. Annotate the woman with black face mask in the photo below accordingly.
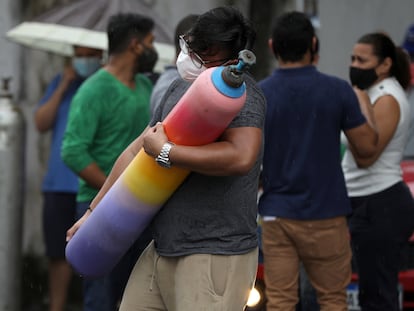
(383, 208)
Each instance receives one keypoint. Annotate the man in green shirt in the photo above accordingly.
(108, 112)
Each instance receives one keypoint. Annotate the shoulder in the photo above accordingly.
(267, 82)
(143, 80)
(389, 86)
(253, 112)
(171, 97)
(53, 84)
(253, 88)
(166, 78)
(331, 80)
(95, 84)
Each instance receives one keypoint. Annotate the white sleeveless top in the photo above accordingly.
(386, 171)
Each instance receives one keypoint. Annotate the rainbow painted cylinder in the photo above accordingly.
(199, 118)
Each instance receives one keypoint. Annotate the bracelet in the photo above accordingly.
(89, 209)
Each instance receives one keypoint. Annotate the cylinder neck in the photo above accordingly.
(5, 88)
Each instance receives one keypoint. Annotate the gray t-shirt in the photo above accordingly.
(211, 214)
(162, 84)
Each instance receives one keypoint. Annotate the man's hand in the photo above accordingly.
(69, 74)
(154, 139)
(71, 232)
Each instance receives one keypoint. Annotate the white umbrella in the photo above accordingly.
(56, 38)
(84, 22)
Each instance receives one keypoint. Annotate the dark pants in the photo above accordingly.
(307, 294)
(104, 294)
(59, 212)
(380, 226)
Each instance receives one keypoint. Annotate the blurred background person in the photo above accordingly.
(382, 217)
(171, 73)
(147, 67)
(304, 202)
(109, 110)
(408, 46)
(60, 184)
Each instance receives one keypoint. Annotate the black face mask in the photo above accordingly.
(362, 78)
(147, 60)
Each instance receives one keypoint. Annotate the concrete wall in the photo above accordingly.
(343, 22)
(10, 13)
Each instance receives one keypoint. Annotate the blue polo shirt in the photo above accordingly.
(302, 174)
(59, 178)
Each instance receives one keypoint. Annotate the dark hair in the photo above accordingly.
(123, 27)
(292, 35)
(223, 28)
(183, 27)
(384, 47)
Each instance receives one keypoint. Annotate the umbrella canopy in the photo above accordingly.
(56, 38)
(84, 22)
(94, 15)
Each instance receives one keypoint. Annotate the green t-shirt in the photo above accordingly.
(105, 117)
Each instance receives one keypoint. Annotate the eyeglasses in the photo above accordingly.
(197, 60)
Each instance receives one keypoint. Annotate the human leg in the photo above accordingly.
(324, 248)
(281, 267)
(207, 282)
(380, 226)
(308, 300)
(60, 275)
(120, 274)
(142, 292)
(58, 216)
(96, 292)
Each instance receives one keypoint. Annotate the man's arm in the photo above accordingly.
(93, 175)
(46, 114)
(83, 123)
(119, 166)
(386, 113)
(234, 154)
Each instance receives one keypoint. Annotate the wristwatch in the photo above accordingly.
(163, 159)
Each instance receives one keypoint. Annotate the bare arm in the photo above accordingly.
(366, 107)
(119, 166)
(386, 113)
(234, 154)
(363, 139)
(93, 175)
(46, 114)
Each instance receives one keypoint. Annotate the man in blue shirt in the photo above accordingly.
(60, 184)
(304, 203)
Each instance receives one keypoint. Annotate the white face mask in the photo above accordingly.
(186, 68)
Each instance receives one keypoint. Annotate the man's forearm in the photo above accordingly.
(93, 175)
(119, 166)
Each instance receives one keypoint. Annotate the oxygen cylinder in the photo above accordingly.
(200, 116)
(12, 142)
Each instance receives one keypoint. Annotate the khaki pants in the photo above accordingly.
(324, 248)
(187, 283)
